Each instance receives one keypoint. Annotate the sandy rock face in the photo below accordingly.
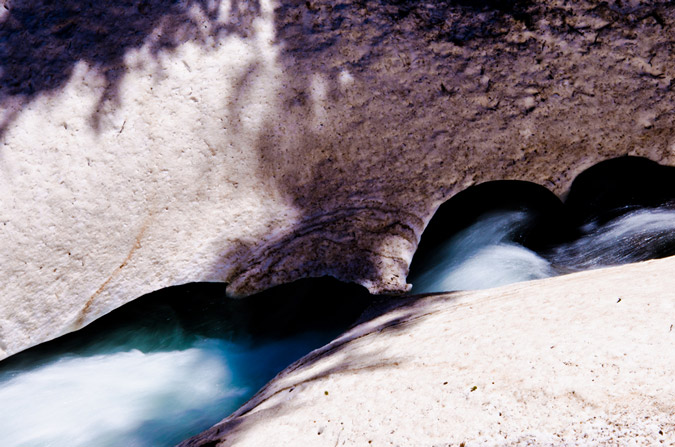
(584, 359)
(149, 144)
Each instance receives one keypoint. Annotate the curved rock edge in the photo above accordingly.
(586, 357)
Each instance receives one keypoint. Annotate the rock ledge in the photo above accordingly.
(583, 359)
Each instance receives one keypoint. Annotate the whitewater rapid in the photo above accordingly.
(486, 253)
(154, 382)
(114, 394)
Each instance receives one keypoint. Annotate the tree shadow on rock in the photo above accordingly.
(362, 200)
(383, 317)
(41, 41)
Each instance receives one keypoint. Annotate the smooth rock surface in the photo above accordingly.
(149, 144)
(581, 360)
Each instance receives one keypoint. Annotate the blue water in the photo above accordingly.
(127, 397)
(486, 254)
(481, 256)
(154, 374)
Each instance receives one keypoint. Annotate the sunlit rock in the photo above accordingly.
(256, 142)
(583, 359)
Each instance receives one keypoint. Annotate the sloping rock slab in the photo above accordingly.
(585, 359)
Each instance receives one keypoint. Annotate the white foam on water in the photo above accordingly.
(117, 399)
(120, 396)
(495, 266)
(482, 256)
(485, 255)
(635, 236)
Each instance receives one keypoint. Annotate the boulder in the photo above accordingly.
(583, 359)
(149, 144)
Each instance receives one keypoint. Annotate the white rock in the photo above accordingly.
(585, 359)
(257, 143)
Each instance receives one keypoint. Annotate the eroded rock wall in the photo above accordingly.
(149, 144)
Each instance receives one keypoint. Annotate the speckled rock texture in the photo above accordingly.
(147, 144)
(579, 360)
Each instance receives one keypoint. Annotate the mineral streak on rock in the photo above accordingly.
(274, 141)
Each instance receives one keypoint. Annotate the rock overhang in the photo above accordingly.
(257, 142)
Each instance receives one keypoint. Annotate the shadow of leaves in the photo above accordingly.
(41, 41)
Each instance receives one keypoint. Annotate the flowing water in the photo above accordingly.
(122, 396)
(635, 236)
(481, 256)
(153, 376)
(486, 253)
